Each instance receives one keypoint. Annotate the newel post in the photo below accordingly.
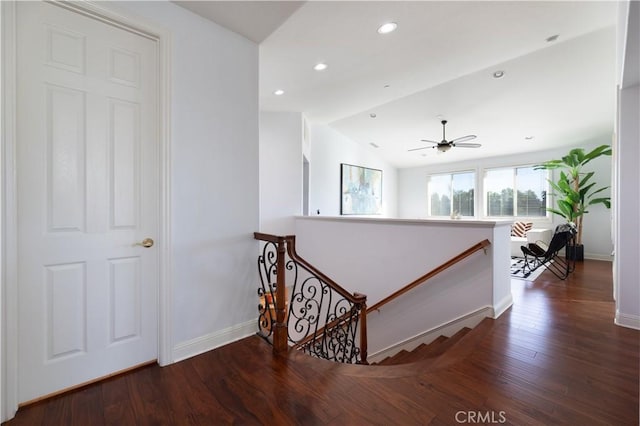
(363, 327)
(280, 330)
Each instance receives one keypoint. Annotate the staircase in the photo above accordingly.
(443, 350)
(322, 318)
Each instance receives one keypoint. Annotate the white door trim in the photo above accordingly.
(9, 248)
(110, 14)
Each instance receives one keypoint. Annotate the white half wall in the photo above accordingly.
(377, 257)
(214, 172)
(597, 237)
(330, 148)
(281, 144)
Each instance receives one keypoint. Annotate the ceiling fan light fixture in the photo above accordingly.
(445, 145)
(320, 66)
(387, 28)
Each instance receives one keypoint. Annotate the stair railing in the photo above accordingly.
(272, 311)
(320, 317)
(482, 245)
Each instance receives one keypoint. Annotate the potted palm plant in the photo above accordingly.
(575, 191)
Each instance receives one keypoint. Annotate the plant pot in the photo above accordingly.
(575, 252)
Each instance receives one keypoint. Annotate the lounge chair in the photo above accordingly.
(538, 254)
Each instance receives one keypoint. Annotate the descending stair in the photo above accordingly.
(440, 354)
(443, 349)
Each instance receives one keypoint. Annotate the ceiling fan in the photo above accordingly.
(444, 145)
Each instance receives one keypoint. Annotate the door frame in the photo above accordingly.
(112, 15)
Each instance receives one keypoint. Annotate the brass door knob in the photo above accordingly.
(147, 242)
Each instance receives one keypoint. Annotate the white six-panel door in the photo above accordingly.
(87, 176)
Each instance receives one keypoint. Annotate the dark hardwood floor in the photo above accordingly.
(554, 358)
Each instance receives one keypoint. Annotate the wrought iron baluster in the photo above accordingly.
(322, 319)
(267, 289)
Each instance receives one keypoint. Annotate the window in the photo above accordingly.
(516, 191)
(451, 193)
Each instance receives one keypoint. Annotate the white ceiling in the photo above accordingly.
(255, 20)
(437, 64)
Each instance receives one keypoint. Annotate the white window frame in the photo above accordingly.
(485, 203)
(457, 172)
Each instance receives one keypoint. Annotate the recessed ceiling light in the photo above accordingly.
(320, 66)
(387, 28)
(386, 86)
(498, 74)
(278, 92)
(373, 115)
(552, 38)
(528, 137)
(374, 145)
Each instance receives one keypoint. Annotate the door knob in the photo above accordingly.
(147, 242)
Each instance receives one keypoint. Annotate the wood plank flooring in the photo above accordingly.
(554, 358)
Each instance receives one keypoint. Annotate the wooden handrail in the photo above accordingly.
(479, 246)
(268, 237)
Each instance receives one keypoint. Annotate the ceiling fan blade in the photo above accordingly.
(427, 140)
(467, 145)
(418, 149)
(464, 138)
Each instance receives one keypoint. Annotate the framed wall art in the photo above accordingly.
(360, 190)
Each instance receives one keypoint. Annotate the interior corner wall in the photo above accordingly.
(214, 173)
(330, 148)
(281, 144)
(597, 236)
(627, 173)
(412, 192)
(627, 205)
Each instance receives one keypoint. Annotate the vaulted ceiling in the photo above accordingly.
(392, 90)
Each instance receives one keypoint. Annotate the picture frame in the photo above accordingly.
(360, 190)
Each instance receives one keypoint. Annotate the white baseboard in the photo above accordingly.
(503, 305)
(214, 340)
(448, 329)
(629, 321)
(597, 256)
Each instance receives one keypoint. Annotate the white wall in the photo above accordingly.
(281, 136)
(330, 148)
(597, 234)
(412, 192)
(627, 176)
(214, 177)
(628, 205)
